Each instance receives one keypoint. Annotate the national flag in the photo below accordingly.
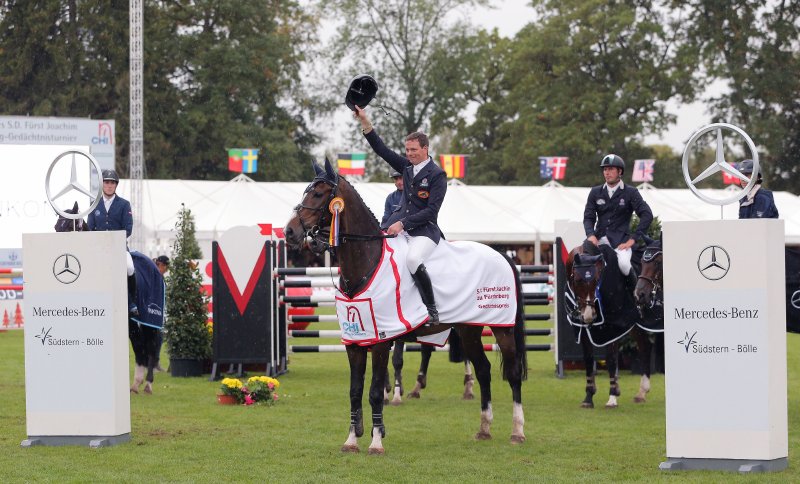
(545, 172)
(249, 161)
(728, 179)
(454, 165)
(352, 163)
(235, 160)
(643, 170)
(559, 166)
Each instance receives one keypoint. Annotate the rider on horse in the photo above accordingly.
(424, 187)
(608, 212)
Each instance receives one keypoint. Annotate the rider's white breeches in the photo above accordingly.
(419, 248)
(623, 257)
(129, 262)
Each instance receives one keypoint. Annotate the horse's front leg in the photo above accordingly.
(357, 356)
(380, 363)
(588, 362)
(473, 349)
(644, 349)
(613, 375)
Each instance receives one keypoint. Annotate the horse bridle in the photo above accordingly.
(581, 304)
(650, 255)
(320, 231)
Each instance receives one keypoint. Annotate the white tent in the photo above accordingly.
(492, 214)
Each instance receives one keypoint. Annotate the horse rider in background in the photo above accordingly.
(759, 202)
(608, 213)
(394, 200)
(114, 213)
(424, 188)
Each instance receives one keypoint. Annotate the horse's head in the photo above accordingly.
(311, 216)
(583, 276)
(64, 224)
(648, 290)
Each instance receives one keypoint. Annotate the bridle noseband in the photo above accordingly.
(591, 275)
(650, 255)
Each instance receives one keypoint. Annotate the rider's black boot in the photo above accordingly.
(423, 281)
(630, 281)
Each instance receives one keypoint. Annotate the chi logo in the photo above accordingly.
(354, 316)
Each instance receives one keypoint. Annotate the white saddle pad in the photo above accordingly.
(472, 284)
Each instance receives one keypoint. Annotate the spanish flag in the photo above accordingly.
(454, 165)
(352, 163)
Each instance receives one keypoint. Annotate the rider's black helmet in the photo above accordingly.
(110, 175)
(613, 160)
(361, 91)
(746, 167)
(396, 174)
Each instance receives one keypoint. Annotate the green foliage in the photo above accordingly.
(185, 328)
(654, 231)
(752, 47)
(218, 74)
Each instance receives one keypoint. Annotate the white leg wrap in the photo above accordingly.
(612, 402)
(486, 420)
(376, 446)
(518, 421)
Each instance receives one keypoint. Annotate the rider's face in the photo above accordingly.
(109, 187)
(612, 175)
(415, 153)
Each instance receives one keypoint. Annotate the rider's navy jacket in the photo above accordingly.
(611, 217)
(762, 205)
(393, 203)
(422, 194)
(118, 217)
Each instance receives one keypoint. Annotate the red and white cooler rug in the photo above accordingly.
(472, 283)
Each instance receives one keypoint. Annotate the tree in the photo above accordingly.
(187, 312)
(217, 74)
(753, 45)
(592, 77)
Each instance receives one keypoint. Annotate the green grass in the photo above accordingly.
(180, 434)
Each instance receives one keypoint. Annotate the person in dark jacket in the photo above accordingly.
(114, 213)
(608, 212)
(759, 202)
(424, 188)
(394, 200)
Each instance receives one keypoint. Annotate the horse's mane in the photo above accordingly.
(374, 219)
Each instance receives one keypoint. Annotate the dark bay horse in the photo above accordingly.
(602, 312)
(649, 294)
(146, 291)
(360, 250)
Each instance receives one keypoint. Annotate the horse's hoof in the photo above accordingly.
(134, 390)
(483, 436)
(638, 399)
(468, 396)
(413, 395)
(587, 405)
(350, 449)
(148, 389)
(611, 405)
(376, 451)
(423, 382)
(396, 401)
(517, 439)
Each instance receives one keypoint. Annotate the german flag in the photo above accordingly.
(454, 165)
(352, 163)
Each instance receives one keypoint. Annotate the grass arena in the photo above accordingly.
(180, 433)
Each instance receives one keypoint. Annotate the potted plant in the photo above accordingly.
(188, 339)
(258, 390)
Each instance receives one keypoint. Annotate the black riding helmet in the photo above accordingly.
(746, 167)
(361, 91)
(613, 160)
(110, 175)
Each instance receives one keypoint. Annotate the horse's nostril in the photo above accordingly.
(288, 231)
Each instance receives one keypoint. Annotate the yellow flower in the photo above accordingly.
(232, 382)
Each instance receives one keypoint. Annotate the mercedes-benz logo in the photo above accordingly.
(720, 164)
(66, 268)
(795, 299)
(74, 184)
(713, 262)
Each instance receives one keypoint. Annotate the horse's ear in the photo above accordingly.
(329, 171)
(75, 207)
(317, 170)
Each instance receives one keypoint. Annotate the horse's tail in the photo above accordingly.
(519, 328)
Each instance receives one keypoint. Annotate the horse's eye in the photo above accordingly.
(317, 195)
